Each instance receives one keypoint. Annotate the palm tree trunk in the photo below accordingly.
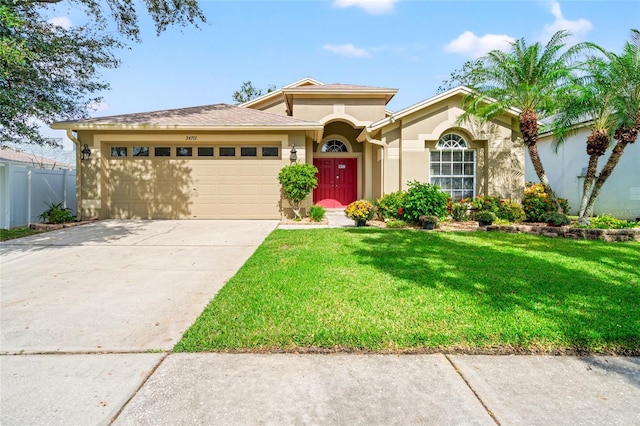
(529, 130)
(586, 188)
(624, 136)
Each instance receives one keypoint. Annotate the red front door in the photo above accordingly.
(337, 181)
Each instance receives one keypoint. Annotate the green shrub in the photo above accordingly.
(511, 211)
(297, 180)
(504, 209)
(316, 213)
(556, 218)
(459, 211)
(57, 214)
(485, 216)
(609, 222)
(396, 223)
(424, 199)
(389, 206)
(536, 203)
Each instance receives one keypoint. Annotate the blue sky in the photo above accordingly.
(411, 45)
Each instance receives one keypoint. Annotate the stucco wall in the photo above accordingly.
(620, 195)
(499, 154)
(359, 111)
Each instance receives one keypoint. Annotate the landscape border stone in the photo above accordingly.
(611, 235)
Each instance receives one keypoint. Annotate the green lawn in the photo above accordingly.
(10, 234)
(414, 291)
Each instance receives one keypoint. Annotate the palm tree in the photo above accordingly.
(623, 76)
(528, 78)
(590, 99)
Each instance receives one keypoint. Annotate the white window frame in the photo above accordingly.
(452, 144)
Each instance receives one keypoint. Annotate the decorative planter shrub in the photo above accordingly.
(428, 222)
(360, 211)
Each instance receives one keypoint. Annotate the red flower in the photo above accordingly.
(399, 211)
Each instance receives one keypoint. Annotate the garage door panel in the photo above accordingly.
(194, 188)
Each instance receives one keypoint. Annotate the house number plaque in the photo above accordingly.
(342, 166)
(191, 138)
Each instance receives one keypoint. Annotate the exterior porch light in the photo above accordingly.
(294, 156)
(85, 153)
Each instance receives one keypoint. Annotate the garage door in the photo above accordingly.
(200, 182)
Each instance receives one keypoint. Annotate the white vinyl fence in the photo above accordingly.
(26, 190)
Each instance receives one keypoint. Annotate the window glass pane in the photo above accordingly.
(205, 151)
(456, 183)
(456, 195)
(184, 151)
(162, 151)
(468, 183)
(445, 183)
(270, 151)
(227, 152)
(248, 151)
(140, 151)
(435, 155)
(468, 156)
(468, 169)
(467, 194)
(457, 155)
(446, 156)
(119, 151)
(446, 169)
(435, 169)
(457, 169)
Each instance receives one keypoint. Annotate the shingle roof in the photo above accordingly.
(216, 115)
(9, 154)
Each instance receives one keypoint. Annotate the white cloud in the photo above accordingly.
(374, 7)
(578, 28)
(61, 21)
(470, 44)
(347, 50)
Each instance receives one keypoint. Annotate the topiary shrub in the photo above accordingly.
(297, 180)
(317, 213)
(536, 203)
(423, 199)
(389, 206)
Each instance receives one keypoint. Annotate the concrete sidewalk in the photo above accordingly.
(252, 389)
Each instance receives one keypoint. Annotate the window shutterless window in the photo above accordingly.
(162, 151)
(119, 151)
(452, 167)
(140, 151)
(227, 151)
(270, 151)
(184, 151)
(248, 151)
(205, 151)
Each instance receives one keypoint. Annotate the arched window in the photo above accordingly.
(453, 166)
(334, 145)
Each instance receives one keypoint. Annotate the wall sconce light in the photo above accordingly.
(294, 156)
(85, 153)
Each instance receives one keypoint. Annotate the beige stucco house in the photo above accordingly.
(221, 161)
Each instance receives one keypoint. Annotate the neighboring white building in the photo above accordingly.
(620, 195)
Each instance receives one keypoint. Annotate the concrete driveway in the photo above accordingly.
(87, 311)
(117, 286)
